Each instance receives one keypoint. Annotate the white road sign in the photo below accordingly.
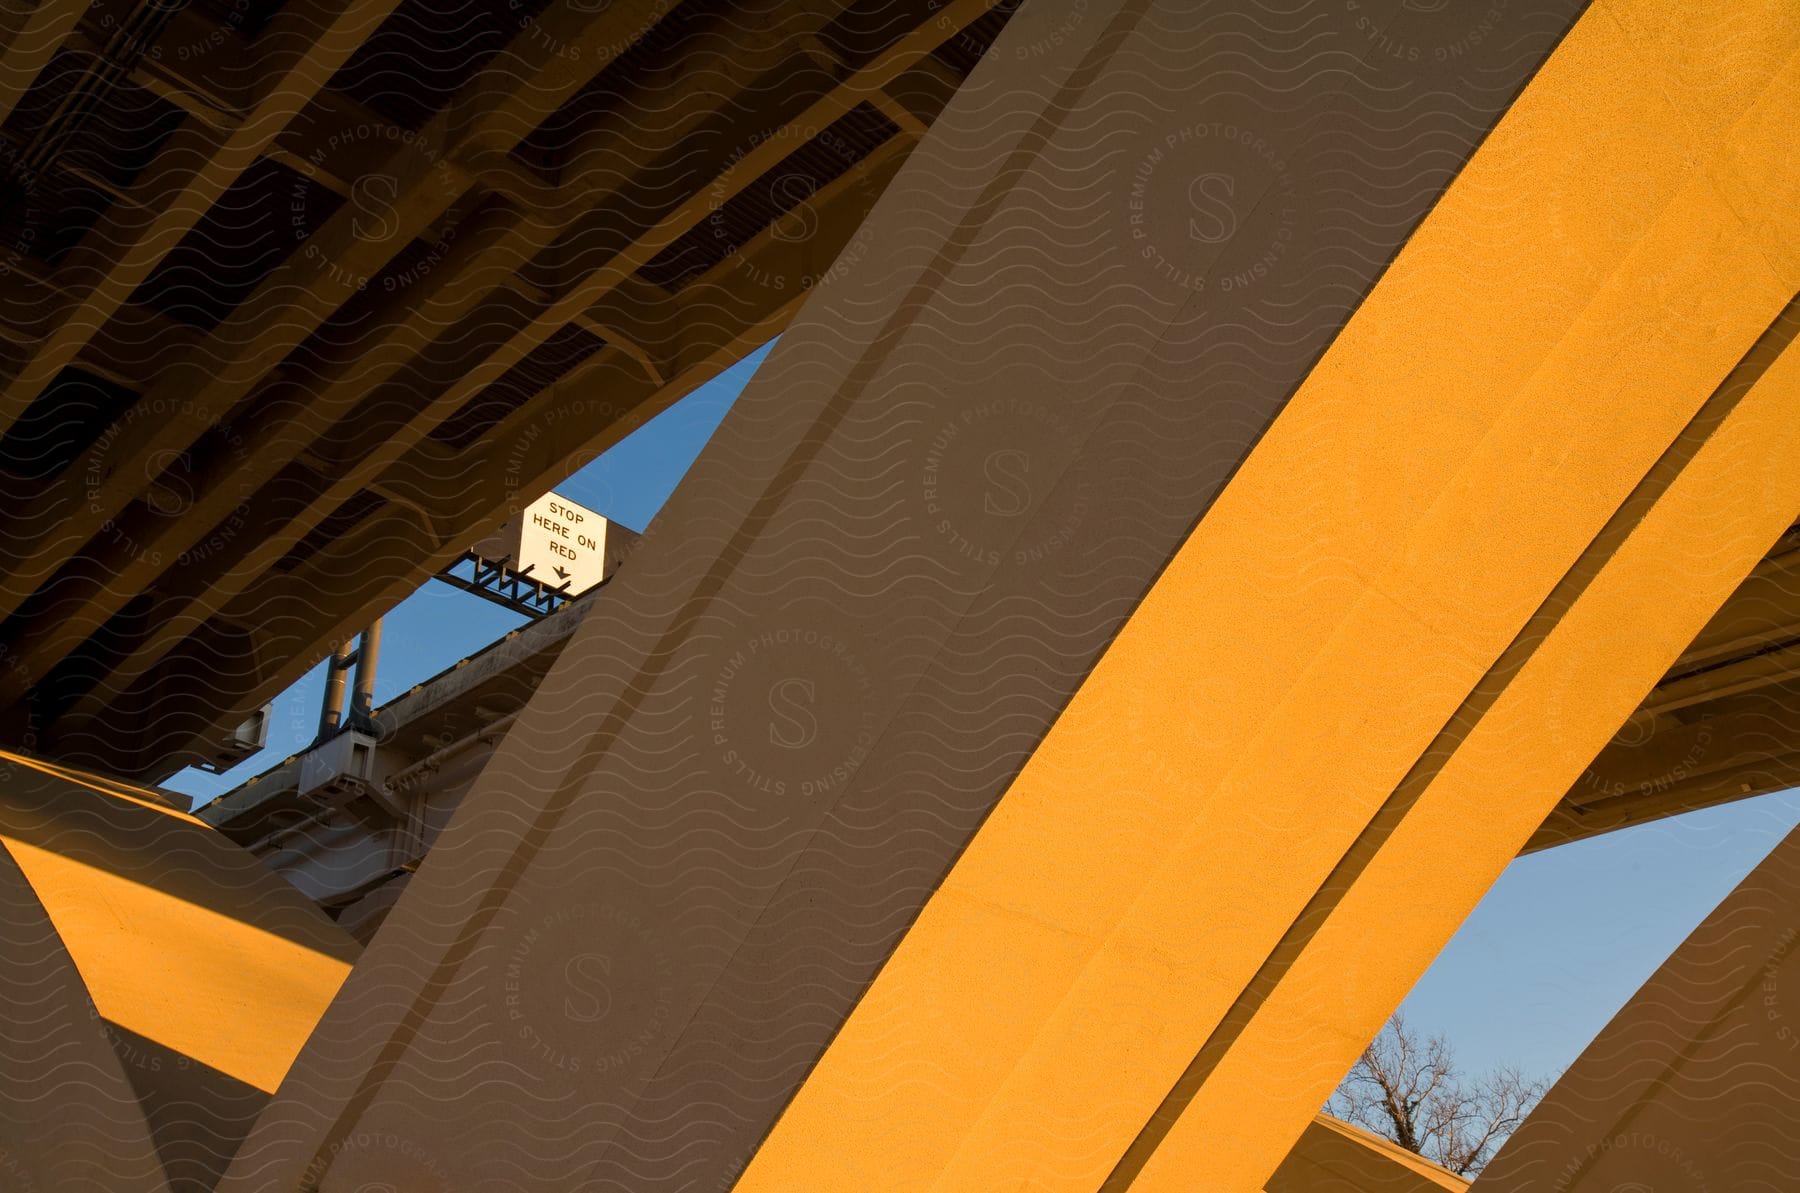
(557, 540)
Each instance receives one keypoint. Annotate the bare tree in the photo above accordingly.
(1408, 1089)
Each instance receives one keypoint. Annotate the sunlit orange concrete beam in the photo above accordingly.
(1610, 254)
(1670, 574)
(180, 936)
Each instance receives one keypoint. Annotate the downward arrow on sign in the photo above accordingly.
(561, 575)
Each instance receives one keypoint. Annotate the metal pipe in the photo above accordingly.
(331, 710)
(368, 655)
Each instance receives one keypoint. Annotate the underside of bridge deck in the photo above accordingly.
(300, 299)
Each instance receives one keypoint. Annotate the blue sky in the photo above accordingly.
(1567, 935)
(631, 482)
(1558, 945)
(438, 624)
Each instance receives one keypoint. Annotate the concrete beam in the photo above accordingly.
(1695, 1084)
